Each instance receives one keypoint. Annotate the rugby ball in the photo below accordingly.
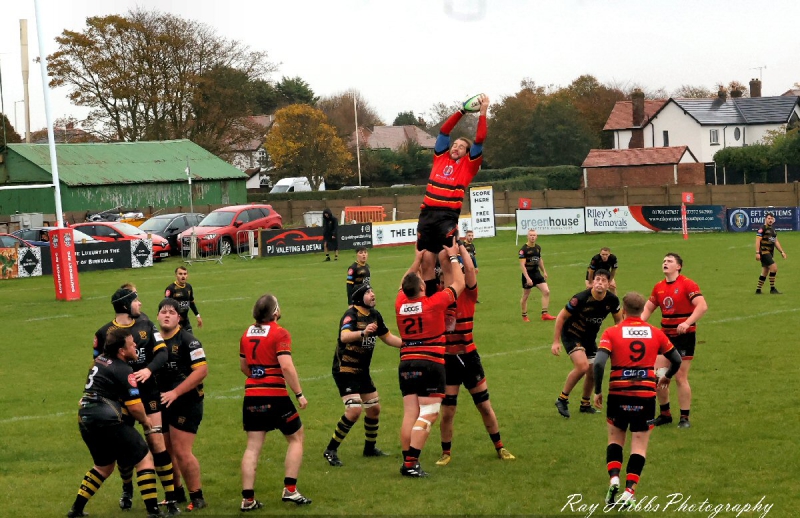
(473, 104)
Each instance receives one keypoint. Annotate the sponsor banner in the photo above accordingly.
(141, 253)
(612, 219)
(9, 262)
(750, 219)
(65, 266)
(308, 240)
(30, 262)
(404, 232)
(551, 221)
(663, 217)
(352, 237)
(482, 211)
(104, 256)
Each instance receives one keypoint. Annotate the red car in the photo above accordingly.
(118, 231)
(217, 231)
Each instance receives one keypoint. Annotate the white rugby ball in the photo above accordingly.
(473, 104)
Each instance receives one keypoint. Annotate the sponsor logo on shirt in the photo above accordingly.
(636, 332)
(411, 308)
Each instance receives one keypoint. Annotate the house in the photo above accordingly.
(642, 167)
(108, 175)
(704, 125)
(258, 178)
(251, 154)
(392, 137)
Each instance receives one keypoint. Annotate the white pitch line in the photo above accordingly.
(754, 315)
(47, 318)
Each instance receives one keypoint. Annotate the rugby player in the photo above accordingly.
(533, 274)
(357, 273)
(766, 241)
(183, 292)
(181, 386)
(576, 327)
(469, 244)
(605, 260)
(265, 358)
(633, 347)
(358, 328)
(682, 305)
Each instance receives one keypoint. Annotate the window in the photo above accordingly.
(737, 133)
(262, 157)
(714, 137)
(666, 138)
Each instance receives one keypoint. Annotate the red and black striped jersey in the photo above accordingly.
(634, 346)
(421, 324)
(448, 180)
(461, 340)
(675, 300)
(260, 347)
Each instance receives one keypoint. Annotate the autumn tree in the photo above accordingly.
(302, 142)
(507, 143)
(149, 75)
(693, 92)
(10, 135)
(594, 101)
(440, 112)
(341, 113)
(408, 119)
(557, 135)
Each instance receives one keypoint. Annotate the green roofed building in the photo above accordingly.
(132, 175)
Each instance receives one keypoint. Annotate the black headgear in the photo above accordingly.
(358, 295)
(171, 303)
(122, 300)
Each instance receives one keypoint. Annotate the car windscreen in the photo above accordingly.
(155, 224)
(217, 219)
(80, 237)
(128, 229)
(280, 188)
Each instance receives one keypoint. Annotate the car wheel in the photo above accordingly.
(225, 246)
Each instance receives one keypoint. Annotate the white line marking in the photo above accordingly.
(47, 318)
(754, 315)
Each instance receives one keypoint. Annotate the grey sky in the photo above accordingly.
(410, 54)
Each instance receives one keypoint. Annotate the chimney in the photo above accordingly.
(637, 98)
(755, 88)
(722, 95)
(736, 93)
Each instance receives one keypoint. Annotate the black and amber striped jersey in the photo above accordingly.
(184, 294)
(633, 346)
(146, 336)
(768, 237)
(260, 347)
(109, 385)
(586, 315)
(357, 274)
(597, 263)
(355, 357)
(532, 256)
(185, 354)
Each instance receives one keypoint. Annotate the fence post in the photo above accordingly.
(666, 194)
(546, 200)
(625, 195)
(752, 195)
(796, 193)
(508, 207)
(395, 203)
(291, 212)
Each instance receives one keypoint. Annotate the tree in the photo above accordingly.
(507, 142)
(440, 112)
(693, 92)
(408, 119)
(293, 90)
(303, 143)
(10, 134)
(594, 102)
(557, 135)
(156, 76)
(339, 110)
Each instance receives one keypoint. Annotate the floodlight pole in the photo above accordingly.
(50, 136)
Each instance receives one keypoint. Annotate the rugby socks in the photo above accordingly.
(684, 415)
(163, 463)
(248, 494)
(544, 311)
(89, 486)
(495, 437)
(180, 493)
(634, 471)
(342, 429)
(126, 474)
(665, 410)
(146, 480)
(585, 402)
(412, 457)
(446, 447)
(772, 279)
(370, 433)
(761, 280)
(614, 459)
(196, 495)
(564, 396)
(290, 484)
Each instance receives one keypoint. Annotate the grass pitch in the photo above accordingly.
(742, 445)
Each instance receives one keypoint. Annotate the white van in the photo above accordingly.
(295, 184)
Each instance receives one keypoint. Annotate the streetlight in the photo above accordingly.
(358, 149)
(16, 128)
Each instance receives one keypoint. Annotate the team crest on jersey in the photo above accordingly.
(411, 308)
(175, 349)
(677, 290)
(448, 170)
(154, 405)
(668, 302)
(131, 380)
(636, 332)
(573, 301)
(142, 334)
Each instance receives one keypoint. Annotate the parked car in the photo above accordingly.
(169, 226)
(40, 236)
(9, 241)
(217, 232)
(296, 184)
(118, 231)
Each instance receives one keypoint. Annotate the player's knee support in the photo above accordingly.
(353, 403)
(450, 400)
(371, 403)
(422, 425)
(480, 397)
(431, 409)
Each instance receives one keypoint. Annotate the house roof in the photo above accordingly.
(739, 110)
(252, 145)
(128, 162)
(793, 91)
(622, 115)
(393, 137)
(636, 157)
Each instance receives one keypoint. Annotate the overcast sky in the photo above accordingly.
(410, 54)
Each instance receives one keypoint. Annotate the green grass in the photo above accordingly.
(742, 445)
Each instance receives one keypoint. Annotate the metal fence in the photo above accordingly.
(247, 243)
(197, 249)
